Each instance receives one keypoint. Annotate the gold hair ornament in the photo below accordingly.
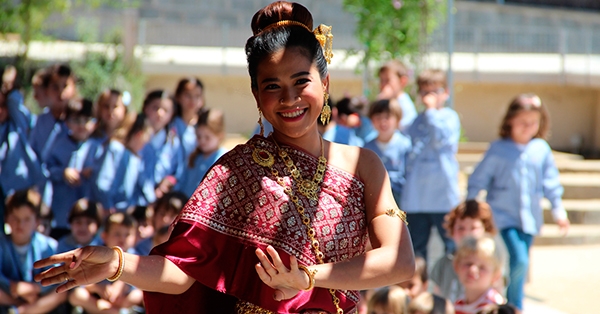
(322, 33)
(325, 38)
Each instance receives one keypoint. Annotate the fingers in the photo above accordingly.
(54, 259)
(70, 284)
(266, 263)
(276, 259)
(293, 263)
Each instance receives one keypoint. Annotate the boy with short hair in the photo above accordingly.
(19, 250)
(431, 188)
(337, 130)
(391, 145)
(85, 220)
(393, 78)
(70, 163)
(478, 265)
(419, 285)
(105, 296)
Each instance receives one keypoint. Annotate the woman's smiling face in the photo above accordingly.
(290, 91)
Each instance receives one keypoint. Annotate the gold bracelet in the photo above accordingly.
(119, 272)
(311, 276)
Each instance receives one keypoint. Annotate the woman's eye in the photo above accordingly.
(272, 86)
(302, 81)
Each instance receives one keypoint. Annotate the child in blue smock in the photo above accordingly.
(106, 296)
(336, 132)
(393, 78)
(70, 163)
(210, 132)
(20, 248)
(85, 219)
(51, 123)
(163, 154)
(350, 114)
(431, 188)
(189, 102)
(166, 209)
(111, 109)
(517, 171)
(19, 165)
(390, 145)
(120, 181)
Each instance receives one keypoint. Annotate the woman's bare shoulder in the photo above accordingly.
(352, 159)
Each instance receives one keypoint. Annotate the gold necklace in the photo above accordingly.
(308, 188)
(261, 157)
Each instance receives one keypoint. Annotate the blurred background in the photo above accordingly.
(495, 49)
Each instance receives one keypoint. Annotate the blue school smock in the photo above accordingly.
(193, 176)
(365, 130)
(13, 268)
(431, 168)
(68, 243)
(394, 156)
(409, 113)
(516, 178)
(120, 181)
(46, 130)
(163, 155)
(187, 136)
(19, 165)
(19, 113)
(343, 135)
(68, 153)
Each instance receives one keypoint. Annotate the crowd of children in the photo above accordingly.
(94, 172)
(111, 176)
(418, 150)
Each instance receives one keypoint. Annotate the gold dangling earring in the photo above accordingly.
(326, 110)
(262, 127)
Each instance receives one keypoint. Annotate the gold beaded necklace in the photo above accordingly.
(307, 188)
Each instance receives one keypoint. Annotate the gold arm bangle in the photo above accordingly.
(311, 276)
(119, 272)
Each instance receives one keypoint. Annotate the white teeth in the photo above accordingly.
(292, 114)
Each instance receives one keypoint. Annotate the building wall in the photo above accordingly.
(572, 110)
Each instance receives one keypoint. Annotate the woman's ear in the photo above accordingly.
(326, 83)
(255, 94)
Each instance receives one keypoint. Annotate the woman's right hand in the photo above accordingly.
(83, 266)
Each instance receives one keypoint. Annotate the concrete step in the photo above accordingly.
(578, 166)
(581, 185)
(580, 212)
(578, 234)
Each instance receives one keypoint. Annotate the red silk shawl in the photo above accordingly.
(238, 207)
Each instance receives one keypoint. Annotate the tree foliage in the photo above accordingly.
(102, 69)
(395, 28)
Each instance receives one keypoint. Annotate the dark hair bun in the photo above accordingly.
(279, 11)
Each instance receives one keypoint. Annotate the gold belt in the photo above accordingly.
(243, 307)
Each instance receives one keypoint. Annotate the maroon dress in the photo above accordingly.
(238, 207)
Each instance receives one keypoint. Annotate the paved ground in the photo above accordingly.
(564, 279)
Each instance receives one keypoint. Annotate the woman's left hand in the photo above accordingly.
(286, 282)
